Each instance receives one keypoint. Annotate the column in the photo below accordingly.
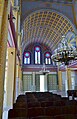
(20, 79)
(1, 12)
(60, 80)
(66, 79)
(3, 47)
(11, 77)
(43, 83)
(69, 78)
(17, 79)
(74, 8)
(34, 88)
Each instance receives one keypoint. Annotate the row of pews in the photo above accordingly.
(43, 105)
(72, 93)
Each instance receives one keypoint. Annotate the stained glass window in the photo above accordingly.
(37, 53)
(47, 58)
(27, 57)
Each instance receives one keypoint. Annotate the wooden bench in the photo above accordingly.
(72, 93)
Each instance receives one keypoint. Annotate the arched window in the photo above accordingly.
(47, 58)
(37, 53)
(27, 57)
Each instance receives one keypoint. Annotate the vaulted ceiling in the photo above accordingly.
(44, 24)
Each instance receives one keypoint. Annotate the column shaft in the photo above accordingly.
(60, 79)
(34, 81)
(11, 77)
(69, 78)
(20, 79)
(3, 48)
(74, 8)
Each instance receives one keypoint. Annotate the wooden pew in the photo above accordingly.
(72, 93)
(17, 113)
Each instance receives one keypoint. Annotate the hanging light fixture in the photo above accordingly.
(44, 71)
(65, 52)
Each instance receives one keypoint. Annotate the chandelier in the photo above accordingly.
(44, 71)
(65, 53)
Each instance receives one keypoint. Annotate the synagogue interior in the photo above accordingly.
(38, 59)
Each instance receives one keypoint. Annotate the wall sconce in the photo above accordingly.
(11, 53)
(8, 17)
(13, 17)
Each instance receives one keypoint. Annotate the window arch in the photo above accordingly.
(47, 57)
(27, 57)
(37, 55)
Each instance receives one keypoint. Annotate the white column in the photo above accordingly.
(17, 87)
(66, 80)
(43, 83)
